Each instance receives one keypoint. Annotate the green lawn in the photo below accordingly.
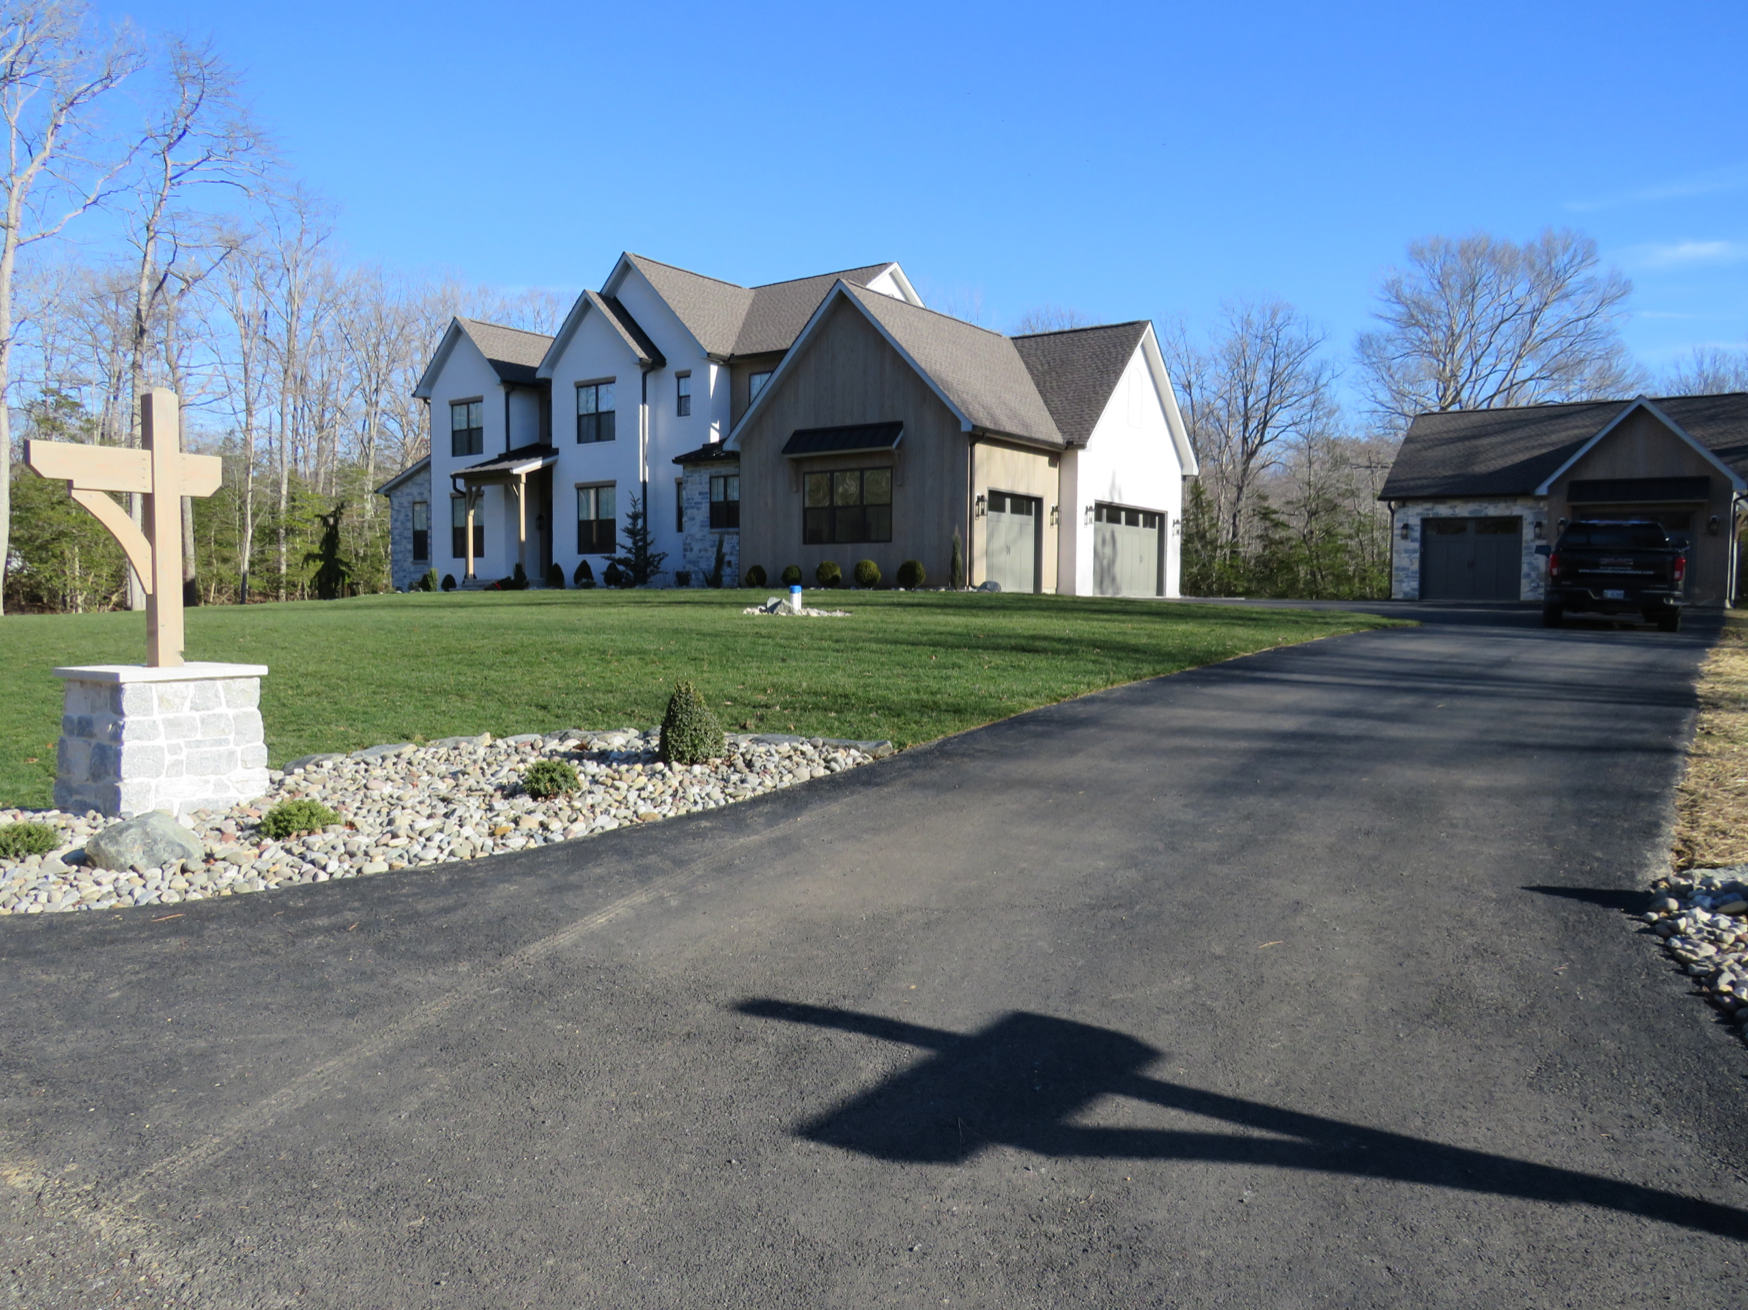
(905, 666)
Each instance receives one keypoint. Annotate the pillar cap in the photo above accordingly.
(190, 672)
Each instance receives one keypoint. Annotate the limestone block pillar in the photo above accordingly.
(136, 738)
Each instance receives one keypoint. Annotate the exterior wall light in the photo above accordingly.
(982, 507)
(1713, 526)
(1404, 530)
(1089, 515)
(1541, 529)
(1055, 515)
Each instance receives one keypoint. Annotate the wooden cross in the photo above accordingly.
(163, 474)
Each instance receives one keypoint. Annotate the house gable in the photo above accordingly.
(1641, 442)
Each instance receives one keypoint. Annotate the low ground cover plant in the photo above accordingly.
(289, 818)
(545, 779)
(690, 732)
(18, 840)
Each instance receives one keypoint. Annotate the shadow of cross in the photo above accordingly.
(1021, 1080)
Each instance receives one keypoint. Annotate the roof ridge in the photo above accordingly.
(1090, 327)
(504, 327)
(688, 271)
(924, 309)
(810, 277)
(1702, 395)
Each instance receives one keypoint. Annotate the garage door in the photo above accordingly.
(1126, 554)
(1471, 559)
(1013, 541)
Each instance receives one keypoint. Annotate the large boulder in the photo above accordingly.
(149, 842)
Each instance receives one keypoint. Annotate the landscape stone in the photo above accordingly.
(152, 839)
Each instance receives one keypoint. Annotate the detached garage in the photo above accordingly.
(1473, 493)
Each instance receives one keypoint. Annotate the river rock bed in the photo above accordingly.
(1702, 917)
(404, 806)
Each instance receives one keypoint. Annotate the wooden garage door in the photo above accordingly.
(1014, 523)
(1471, 558)
(1126, 554)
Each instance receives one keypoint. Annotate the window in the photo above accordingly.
(595, 411)
(595, 526)
(458, 529)
(421, 530)
(467, 427)
(848, 505)
(682, 394)
(1113, 514)
(679, 504)
(756, 383)
(725, 501)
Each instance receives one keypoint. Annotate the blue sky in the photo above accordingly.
(1127, 160)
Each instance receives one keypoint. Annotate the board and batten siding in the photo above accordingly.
(846, 374)
(1021, 471)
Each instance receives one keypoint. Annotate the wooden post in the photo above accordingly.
(163, 474)
(522, 521)
(469, 496)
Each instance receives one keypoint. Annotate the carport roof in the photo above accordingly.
(1481, 453)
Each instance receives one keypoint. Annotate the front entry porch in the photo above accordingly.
(526, 476)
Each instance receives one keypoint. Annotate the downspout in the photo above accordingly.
(970, 500)
(1391, 505)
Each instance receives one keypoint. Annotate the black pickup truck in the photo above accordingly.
(1604, 566)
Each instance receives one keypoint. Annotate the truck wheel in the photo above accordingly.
(1669, 621)
(1552, 616)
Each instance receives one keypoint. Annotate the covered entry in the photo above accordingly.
(1128, 551)
(1016, 529)
(1471, 558)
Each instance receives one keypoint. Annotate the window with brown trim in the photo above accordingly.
(595, 416)
(682, 394)
(595, 522)
(847, 505)
(421, 530)
(467, 427)
(725, 501)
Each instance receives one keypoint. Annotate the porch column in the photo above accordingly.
(471, 497)
(522, 522)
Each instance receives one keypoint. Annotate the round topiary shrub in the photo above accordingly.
(545, 779)
(690, 732)
(20, 839)
(792, 576)
(555, 576)
(911, 574)
(867, 573)
(755, 576)
(584, 577)
(289, 818)
(828, 574)
(448, 582)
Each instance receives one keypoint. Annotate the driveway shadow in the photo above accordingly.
(1019, 1081)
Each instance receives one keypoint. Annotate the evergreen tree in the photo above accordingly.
(639, 562)
(333, 572)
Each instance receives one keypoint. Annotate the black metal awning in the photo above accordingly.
(714, 452)
(844, 441)
(509, 466)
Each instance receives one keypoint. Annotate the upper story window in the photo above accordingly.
(756, 383)
(467, 427)
(682, 394)
(725, 500)
(847, 505)
(595, 411)
(421, 529)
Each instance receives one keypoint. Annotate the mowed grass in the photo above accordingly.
(906, 666)
(1711, 804)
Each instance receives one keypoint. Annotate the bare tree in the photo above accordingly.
(54, 72)
(1050, 318)
(1482, 322)
(1706, 371)
(1257, 390)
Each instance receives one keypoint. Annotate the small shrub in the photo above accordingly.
(911, 574)
(429, 581)
(683, 578)
(20, 839)
(867, 573)
(828, 574)
(448, 582)
(584, 577)
(756, 576)
(545, 779)
(956, 569)
(714, 577)
(610, 576)
(690, 732)
(518, 578)
(555, 576)
(792, 576)
(289, 818)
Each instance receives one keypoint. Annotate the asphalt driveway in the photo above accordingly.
(1300, 980)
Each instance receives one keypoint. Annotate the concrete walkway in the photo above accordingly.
(1300, 980)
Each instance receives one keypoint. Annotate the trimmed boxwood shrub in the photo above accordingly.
(690, 732)
(448, 582)
(792, 576)
(20, 839)
(867, 573)
(683, 578)
(584, 577)
(545, 779)
(289, 818)
(828, 574)
(911, 574)
(756, 576)
(555, 576)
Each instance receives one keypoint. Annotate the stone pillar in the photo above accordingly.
(135, 738)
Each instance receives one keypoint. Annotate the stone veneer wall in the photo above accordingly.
(132, 746)
(700, 538)
(1405, 555)
(404, 570)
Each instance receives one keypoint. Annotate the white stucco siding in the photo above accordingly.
(1129, 460)
(524, 417)
(466, 376)
(595, 353)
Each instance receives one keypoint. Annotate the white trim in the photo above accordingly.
(445, 348)
(1644, 403)
(1180, 437)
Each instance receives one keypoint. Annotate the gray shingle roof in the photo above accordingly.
(513, 353)
(980, 371)
(1077, 370)
(734, 320)
(619, 318)
(1510, 452)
